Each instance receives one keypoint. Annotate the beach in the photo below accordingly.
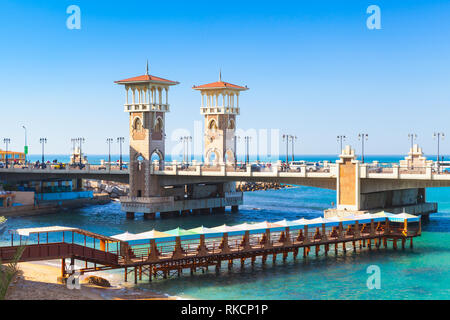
(38, 281)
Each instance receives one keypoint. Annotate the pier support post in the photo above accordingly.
(135, 275)
(253, 260)
(317, 250)
(411, 242)
(150, 216)
(395, 243)
(234, 209)
(242, 263)
(126, 275)
(344, 249)
(63, 268)
(336, 248)
(274, 258)
(130, 215)
(230, 264)
(384, 242)
(403, 243)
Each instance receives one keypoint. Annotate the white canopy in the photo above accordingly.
(27, 231)
(126, 236)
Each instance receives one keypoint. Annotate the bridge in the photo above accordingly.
(173, 189)
(164, 254)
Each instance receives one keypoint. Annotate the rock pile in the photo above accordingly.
(255, 186)
(115, 190)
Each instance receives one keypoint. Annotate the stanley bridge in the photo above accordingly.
(175, 188)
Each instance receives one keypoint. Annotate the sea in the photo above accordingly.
(422, 272)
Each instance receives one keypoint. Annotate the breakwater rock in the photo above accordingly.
(256, 186)
(115, 190)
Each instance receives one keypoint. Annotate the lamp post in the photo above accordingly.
(247, 149)
(438, 136)
(6, 141)
(109, 141)
(235, 138)
(120, 140)
(362, 137)
(341, 139)
(289, 138)
(25, 148)
(412, 137)
(186, 140)
(80, 142)
(43, 141)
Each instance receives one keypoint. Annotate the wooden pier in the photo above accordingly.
(169, 257)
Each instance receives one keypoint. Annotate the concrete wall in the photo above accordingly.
(64, 196)
(393, 198)
(24, 197)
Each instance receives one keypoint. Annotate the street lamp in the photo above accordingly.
(81, 141)
(235, 138)
(120, 140)
(247, 148)
(25, 148)
(289, 138)
(412, 137)
(340, 139)
(43, 141)
(186, 140)
(109, 141)
(6, 141)
(438, 136)
(362, 137)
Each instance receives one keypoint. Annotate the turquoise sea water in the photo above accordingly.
(420, 273)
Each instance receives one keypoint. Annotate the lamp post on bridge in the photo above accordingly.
(362, 137)
(120, 140)
(80, 142)
(247, 149)
(412, 137)
(109, 141)
(25, 147)
(438, 136)
(289, 138)
(340, 139)
(235, 138)
(43, 141)
(186, 140)
(6, 141)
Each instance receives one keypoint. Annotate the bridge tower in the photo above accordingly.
(147, 102)
(220, 108)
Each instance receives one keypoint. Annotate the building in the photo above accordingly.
(13, 157)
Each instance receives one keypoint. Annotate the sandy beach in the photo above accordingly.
(38, 281)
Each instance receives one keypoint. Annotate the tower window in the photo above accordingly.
(159, 125)
(213, 125)
(137, 124)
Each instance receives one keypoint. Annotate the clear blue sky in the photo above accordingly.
(313, 68)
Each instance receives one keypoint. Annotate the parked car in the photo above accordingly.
(296, 165)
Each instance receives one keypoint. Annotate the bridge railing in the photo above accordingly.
(195, 168)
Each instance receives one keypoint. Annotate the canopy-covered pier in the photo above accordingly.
(166, 253)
